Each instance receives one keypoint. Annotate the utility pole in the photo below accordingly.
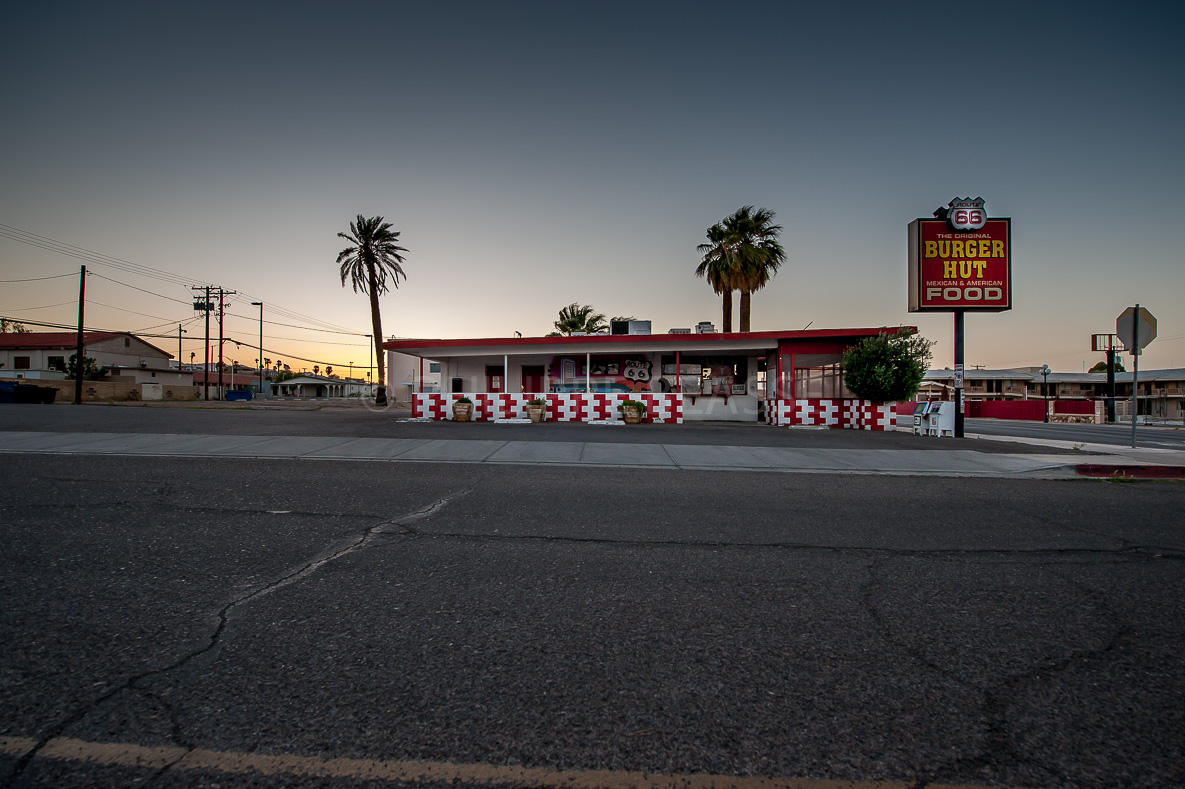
(78, 366)
(260, 305)
(221, 313)
(179, 333)
(205, 306)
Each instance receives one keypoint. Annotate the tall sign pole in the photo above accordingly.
(1135, 371)
(1136, 327)
(78, 359)
(959, 407)
(960, 261)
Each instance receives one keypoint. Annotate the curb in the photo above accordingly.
(1114, 470)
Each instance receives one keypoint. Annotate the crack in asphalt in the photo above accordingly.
(1132, 552)
(1000, 747)
(396, 525)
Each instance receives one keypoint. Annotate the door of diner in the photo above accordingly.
(533, 379)
(495, 379)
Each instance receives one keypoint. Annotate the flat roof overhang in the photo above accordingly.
(624, 343)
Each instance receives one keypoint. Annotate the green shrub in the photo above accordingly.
(887, 367)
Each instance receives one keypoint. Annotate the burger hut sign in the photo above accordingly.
(961, 260)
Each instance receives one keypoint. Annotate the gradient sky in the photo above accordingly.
(536, 154)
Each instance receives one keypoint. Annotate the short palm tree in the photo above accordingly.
(580, 317)
(373, 256)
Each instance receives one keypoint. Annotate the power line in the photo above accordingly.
(36, 279)
(82, 253)
(142, 290)
(47, 306)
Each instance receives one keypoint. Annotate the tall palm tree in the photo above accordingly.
(373, 256)
(759, 254)
(742, 253)
(718, 267)
(580, 317)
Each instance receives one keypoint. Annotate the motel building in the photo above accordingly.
(777, 377)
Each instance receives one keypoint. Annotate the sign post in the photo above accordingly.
(960, 261)
(1136, 328)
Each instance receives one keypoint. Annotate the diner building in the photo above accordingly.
(779, 377)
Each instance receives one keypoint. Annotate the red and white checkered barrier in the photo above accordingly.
(561, 407)
(849, 414)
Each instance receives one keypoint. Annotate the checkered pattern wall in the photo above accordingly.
(566, 407)
(851, 414)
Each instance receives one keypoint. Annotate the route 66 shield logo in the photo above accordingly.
(967, 214)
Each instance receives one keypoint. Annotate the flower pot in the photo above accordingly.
(631, 416)
(537, 413)
(462, 412)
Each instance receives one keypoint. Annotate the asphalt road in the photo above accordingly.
(1152, 436)
(184, 622)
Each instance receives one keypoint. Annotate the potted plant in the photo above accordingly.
(462, 409)
(537, 409)
(632, 411)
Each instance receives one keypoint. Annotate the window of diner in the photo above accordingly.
(819, 376)
(20, 362)
(705, 375)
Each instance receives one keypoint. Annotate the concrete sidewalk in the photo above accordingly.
(955, 462)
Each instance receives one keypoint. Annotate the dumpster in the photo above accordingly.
(238, 394)
(7, 392)
(28, 393)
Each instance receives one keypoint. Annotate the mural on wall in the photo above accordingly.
(622, 374)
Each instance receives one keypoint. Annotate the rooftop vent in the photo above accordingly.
(705, 327)
(680, 331)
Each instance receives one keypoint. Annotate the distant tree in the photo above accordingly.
(374, 255)
(316, 369)
(580, 318)
(287, 369)
(267, 362)
(1101, 367)
(887, 367)
(90, 370)
(12, 327)
(284, 376)
(329, 370)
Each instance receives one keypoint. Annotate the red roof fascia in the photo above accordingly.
(641, 339)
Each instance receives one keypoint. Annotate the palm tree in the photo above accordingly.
(580, 318)
(742, 253)
(718, 267)
(373, 256)
(759, 254)
(316, 369)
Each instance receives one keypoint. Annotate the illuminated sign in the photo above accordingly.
(963, 262)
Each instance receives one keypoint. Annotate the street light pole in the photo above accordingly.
(1045, 374)
(260, 359)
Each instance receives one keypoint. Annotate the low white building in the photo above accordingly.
(37, 355)
(320, 386)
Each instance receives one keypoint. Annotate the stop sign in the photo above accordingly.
(1126, 325)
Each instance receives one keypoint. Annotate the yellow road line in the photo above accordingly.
(231, 762)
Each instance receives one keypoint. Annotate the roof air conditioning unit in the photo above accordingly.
(705, 327)
(629, 327)
(679, 331)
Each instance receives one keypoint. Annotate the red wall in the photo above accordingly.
(1032, 410)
